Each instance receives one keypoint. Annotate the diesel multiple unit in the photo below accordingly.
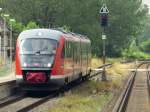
(45, 56)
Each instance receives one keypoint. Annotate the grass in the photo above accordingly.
(81, 104)
(93, 95)
(118, 73)
(136, 54)
(84, 99)
(1, 62)
(113, 60)
(5, 70)
(120, 69)
(95, 62)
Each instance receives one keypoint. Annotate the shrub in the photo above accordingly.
(145, 46)
(135, 54)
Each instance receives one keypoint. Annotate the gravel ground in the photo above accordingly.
(6, 89)
(18, 105)
(46, 106)
(116, 94)
(54, 103)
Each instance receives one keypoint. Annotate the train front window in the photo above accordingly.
(38, 46)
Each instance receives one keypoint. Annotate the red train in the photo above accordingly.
(47, 57)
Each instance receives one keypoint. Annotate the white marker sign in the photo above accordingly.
(103, 37)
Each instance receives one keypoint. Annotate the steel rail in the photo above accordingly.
(148, 78)
(129, 61)
(37, 103)
(100, 67)
(124, 97)
(7, 83)
(13, 100)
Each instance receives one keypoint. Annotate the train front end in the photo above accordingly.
(35, 55)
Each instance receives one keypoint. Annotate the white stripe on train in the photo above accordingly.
(52, 77)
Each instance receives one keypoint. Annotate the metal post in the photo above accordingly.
(5, 16)
(10, 42)
(0, 38)
(4, 47)
(104, 56)
(104, 18)
(104, 78)
(0, 47)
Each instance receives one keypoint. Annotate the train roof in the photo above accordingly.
(42, 33)
(48, 33)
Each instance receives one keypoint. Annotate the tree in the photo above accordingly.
(126, 22)
(126, 19)
(31, 25)
(145, 46)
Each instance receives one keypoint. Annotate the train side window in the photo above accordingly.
(63, 52)
(72, 50)
(66, 49)
(78, 52)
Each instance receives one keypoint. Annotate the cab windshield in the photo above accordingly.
(38, 46)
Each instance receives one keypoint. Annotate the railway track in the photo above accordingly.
(39, 102)
(11, 100)
(23, 103)
(135, 97)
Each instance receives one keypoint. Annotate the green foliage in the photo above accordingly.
(31, 25)
(64, 28)
(18, 27)
(145, 46)
(126, 19)
(145, 34)
(134, 53)
(4, 71)
(86, 98)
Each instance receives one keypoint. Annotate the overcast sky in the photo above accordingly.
(147, 2)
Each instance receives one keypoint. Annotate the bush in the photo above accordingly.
(135, 54)
(145, 46)
(31, 25)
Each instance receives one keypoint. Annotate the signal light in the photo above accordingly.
(104, 20)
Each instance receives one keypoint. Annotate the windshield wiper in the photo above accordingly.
(38, 51)
(43, 49)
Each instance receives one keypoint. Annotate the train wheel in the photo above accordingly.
(66, 80)
(65, 87)
(87, 76)
(84, 78)
(79, 78)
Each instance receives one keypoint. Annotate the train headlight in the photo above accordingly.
(49, 65)
(25, 64)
